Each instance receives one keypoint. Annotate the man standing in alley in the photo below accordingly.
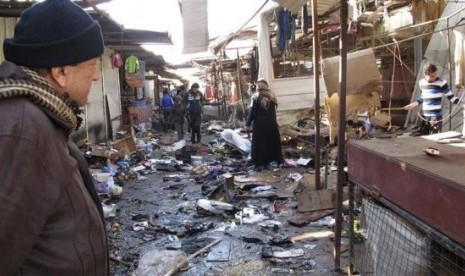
(51, 219)
(167, 104)
(433, 90)
(195, 101)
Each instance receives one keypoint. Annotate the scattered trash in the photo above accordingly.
(295, 177)
(249, 215)
(328, 221)
(109, 211)
(234, 139)
(220, 253)
(159, 262)
(310, 246)
(430, 151)
(213, 207)
(293, 253)
(196, 160)
(140, 225)
(303, 161)
(261, 189)
(267, 251)
(270, 224)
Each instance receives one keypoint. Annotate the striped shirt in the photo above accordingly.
(432, 94)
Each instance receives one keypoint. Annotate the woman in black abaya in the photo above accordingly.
(266, 141)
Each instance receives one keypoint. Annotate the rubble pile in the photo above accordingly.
(162, 195)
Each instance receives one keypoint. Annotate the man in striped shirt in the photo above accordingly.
(433, 89)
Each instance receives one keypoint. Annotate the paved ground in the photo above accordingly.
(168, 205)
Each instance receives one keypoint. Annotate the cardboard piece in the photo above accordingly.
(125, 146)
(315, 200)
(355, 104)
(363, 75)
(303, 219)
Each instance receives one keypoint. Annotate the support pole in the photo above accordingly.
(316, 89)
(451, 65)
(341, 134)
(239, 88)
(418, 48)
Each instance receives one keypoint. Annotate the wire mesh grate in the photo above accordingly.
(389, 245)
(386, 243)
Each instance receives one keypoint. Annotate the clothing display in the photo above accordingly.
(459, 59)
(305, 21)
(254, 64)
(284, 28)
(132, 64)
(116, 60)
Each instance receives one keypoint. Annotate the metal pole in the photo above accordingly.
(105, 123)
(223, 103)
(352, 229)
(217, 92)
(418, 49)
(316, 89)
(341, 134)
(450, 71)
(239, 89)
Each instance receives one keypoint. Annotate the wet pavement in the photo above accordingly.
(159, 212)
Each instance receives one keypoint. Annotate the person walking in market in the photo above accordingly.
(178, 114)
(167, 104)
(266, 140)
(51, 219)
(195, 102)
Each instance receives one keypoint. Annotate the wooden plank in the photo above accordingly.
(315, 200)
(2, 36)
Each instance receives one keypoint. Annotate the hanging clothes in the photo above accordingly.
(293, 27)
(132, 64)
(305, 21)
(284, 28)
(116, 60)
(459, 59)
(254, 65)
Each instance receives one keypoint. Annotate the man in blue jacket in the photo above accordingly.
(195, 101)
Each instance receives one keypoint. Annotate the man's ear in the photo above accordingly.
(58, 74)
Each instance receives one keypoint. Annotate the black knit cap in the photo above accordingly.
(54, 33)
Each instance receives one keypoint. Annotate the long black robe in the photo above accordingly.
(266, 141)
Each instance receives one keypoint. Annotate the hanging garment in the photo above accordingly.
(459, 59)
(305, 19)
(116, 60)
(254, 65)
(293, 27)
(132, 64)
(284, 28)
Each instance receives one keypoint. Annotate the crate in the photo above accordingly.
(184, 154)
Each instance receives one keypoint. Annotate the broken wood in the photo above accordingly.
(307, 236)
(303, 219)
(113, 258)
(315, 200)
(184, 262)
